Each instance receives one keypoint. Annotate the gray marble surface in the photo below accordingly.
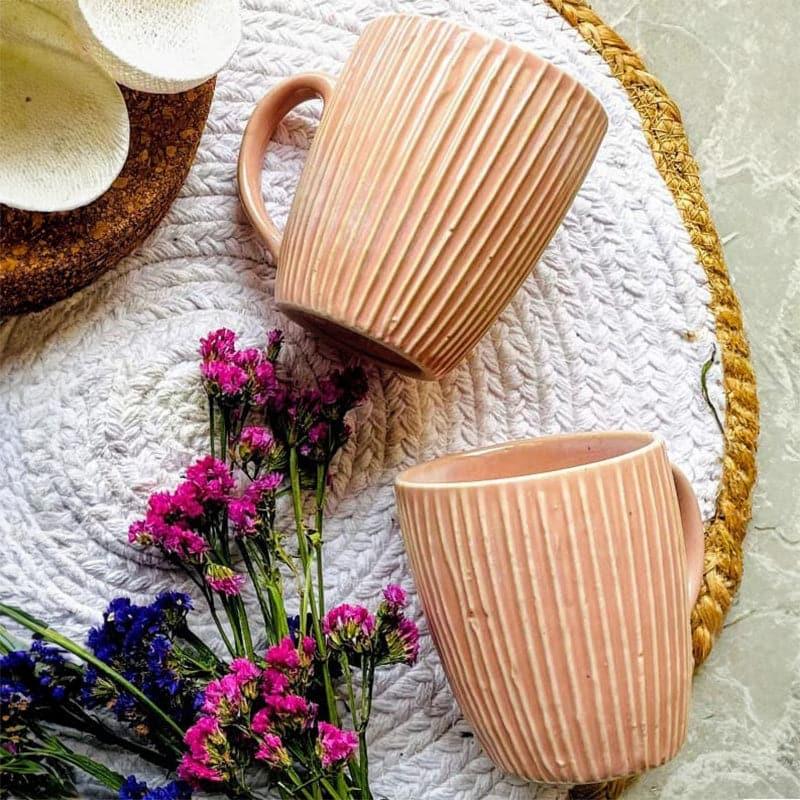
(732, 66)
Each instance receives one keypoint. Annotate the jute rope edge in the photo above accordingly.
(663, 127)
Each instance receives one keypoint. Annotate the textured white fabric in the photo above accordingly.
(100, 403)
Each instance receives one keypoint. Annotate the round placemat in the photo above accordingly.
(624, 323)
(46, 257)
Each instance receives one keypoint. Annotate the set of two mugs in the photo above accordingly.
(556, 574)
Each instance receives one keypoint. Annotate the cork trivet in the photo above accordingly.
(46, 257)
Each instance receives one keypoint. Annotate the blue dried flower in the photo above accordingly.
(138, 642)
(133, 789)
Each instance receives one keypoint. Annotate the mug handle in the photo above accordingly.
(693, 533)
(271, 109)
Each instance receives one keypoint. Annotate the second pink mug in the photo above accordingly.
(557, 576)
(444, 161)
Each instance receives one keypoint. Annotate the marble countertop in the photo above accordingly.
(731, 67)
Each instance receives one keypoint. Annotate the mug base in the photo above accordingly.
(357, 341)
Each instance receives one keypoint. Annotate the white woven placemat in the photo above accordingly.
(100, 402)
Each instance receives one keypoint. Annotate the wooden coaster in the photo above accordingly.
(47, 257)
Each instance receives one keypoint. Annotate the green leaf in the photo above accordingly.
(100, 772)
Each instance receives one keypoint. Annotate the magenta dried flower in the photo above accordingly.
(212, 479)
(402, 642)
(209, 759)
(224, 379)
(168, 526)
(284, 713)
(248, 359)
(334, 745)
(273, 682)
(218, 345)
(283, 656)
(224, 580)
(272, 752)
(256, 441)
(230, 696)
(274, 343)
(267, 387)
(243, 511)
(291, 660)
(349, 627)
(394, 598)
(186, 501)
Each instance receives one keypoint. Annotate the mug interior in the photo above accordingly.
(527, 457)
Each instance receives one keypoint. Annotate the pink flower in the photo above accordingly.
(244, 670)
(334, 745)
(273, 682)
(224, 379)
(209, 758)
(329, 392)
(196, 773)
(267, 483)
(211, 478)
(261, 723)
(286, 712)
(266, 383)
(185, 501)
(200, 735)
(283, 656)
(139, 533)
(168, 524)
(395, 597)
(349, 627)
(243, 511)
(229, 696)
(219, 344)
(182, 542)
(224, 580)
(248, 359)
(402, 641)
(272, 752)
(256, 441)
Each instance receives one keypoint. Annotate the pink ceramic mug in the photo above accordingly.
(444, 161)
(557, 576)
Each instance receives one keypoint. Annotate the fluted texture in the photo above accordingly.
(559, 610)
(441, 169)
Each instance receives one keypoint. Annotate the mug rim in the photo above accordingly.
(413, 477)
(489, 37)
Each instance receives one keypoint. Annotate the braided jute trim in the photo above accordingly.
(661, 121)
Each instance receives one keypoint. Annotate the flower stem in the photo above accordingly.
(62, 641)
(212, 607)
(307, 591)
(190, 637)
(322, 474)
(79, 720)
(302, 542)
(256, 579)
(367, 681)
(212, 433)
(348, 679)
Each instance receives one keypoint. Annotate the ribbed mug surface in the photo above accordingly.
(553, 576)
(443, 164)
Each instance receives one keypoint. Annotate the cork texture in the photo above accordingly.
(47, 257)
